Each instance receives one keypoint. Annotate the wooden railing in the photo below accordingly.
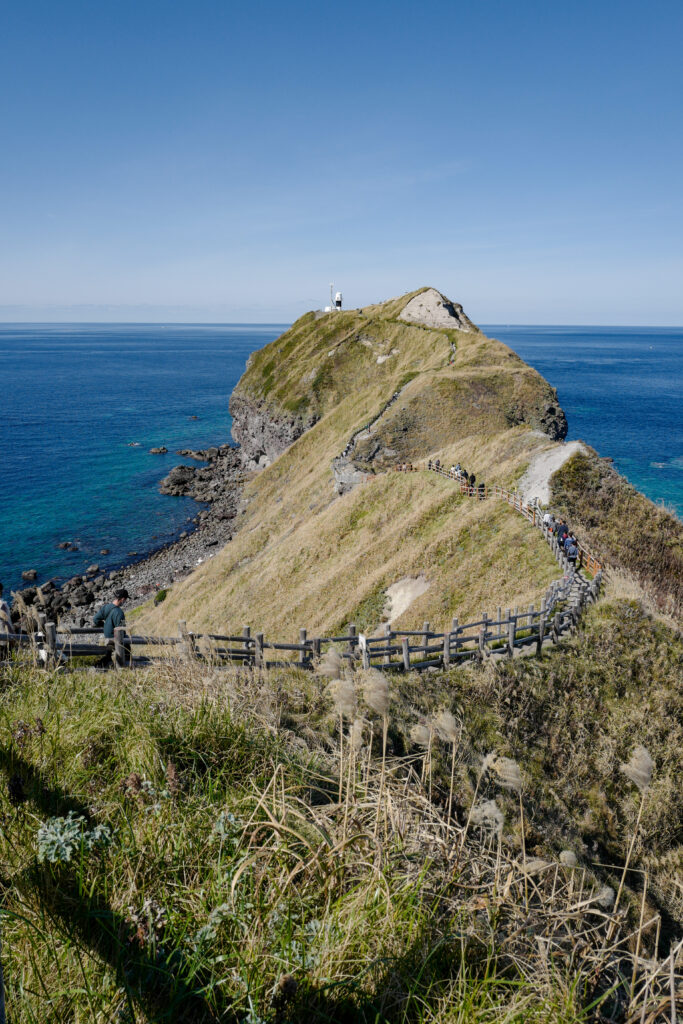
(401, 650)
(586, 560)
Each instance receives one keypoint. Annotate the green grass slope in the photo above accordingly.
(210, 871)
(304, 556)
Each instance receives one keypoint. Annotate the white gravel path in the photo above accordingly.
(402, 594)
(536, 481)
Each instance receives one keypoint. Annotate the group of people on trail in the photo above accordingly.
(564, 536)
(458, 473)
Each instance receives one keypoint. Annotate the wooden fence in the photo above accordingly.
(586, 559)
(498, 635)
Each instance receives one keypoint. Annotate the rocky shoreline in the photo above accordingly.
(217, 483)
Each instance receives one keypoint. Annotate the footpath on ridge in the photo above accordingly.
(513, 634)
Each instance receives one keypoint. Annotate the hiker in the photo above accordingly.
(451, 471)
(548, 522)
(561, 531)
(110, 616)
(464, 479)
(473, 480)
(573, 551)
(5, 626)
(481, 491)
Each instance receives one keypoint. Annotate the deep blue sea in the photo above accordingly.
(622, 391)
(74, 397)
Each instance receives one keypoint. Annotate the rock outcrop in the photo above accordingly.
(213, 482)
(432, 309)
(263, 432)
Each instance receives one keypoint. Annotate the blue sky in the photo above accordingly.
(212, 161)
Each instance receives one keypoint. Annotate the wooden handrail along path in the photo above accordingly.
(516, 632)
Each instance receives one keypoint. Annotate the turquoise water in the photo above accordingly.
(75, 396)
(622, 391)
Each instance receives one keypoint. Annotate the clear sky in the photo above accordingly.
(206, 160)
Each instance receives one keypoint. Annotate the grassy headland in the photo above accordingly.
(194, 845)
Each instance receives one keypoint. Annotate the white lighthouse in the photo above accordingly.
(336, 302)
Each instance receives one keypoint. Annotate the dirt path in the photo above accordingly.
(536, 481)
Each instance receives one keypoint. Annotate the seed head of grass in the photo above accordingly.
(488, 814)
(639, 768)
(534, 865)
(446, 726)
(330, 664)
(568, 858)
(507, 772)
(605, 897)
(376, 691)
(421, 735)
(344, 697)
(356, 734)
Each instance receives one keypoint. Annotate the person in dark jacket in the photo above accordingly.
(111, 615)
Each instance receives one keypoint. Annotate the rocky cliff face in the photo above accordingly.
(263, 432)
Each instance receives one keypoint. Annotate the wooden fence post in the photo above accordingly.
(352, 634)
(446, 649)
(303, 655)
(425, 633)
(556, 628)
(512, 630)
(188, 647)
(386, 660)
(51, 639)
(405, 651)
(119, 647)
(316, 647)
(541, 629)
(455, 629)
(258, 651)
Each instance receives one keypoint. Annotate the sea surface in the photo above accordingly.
(75, 397)
(622, 391)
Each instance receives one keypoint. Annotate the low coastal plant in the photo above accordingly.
(58, 839)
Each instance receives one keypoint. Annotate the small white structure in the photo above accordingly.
(336, 302)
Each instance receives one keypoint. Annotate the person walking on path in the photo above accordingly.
(110, 616)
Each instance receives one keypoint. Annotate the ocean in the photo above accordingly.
(82, 404)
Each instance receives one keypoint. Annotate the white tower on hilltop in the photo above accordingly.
(335, 300)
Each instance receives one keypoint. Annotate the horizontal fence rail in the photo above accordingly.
(586, 559)
(498, 635)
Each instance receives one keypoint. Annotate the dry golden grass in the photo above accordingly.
(317, 569)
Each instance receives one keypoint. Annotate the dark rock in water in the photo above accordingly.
(29, 574)
(92, 569)
(179, 481)
(158, 451)
(193, 417)
(104, 551)
(67, 545)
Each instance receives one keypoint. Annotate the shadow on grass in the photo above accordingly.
(165, 984)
